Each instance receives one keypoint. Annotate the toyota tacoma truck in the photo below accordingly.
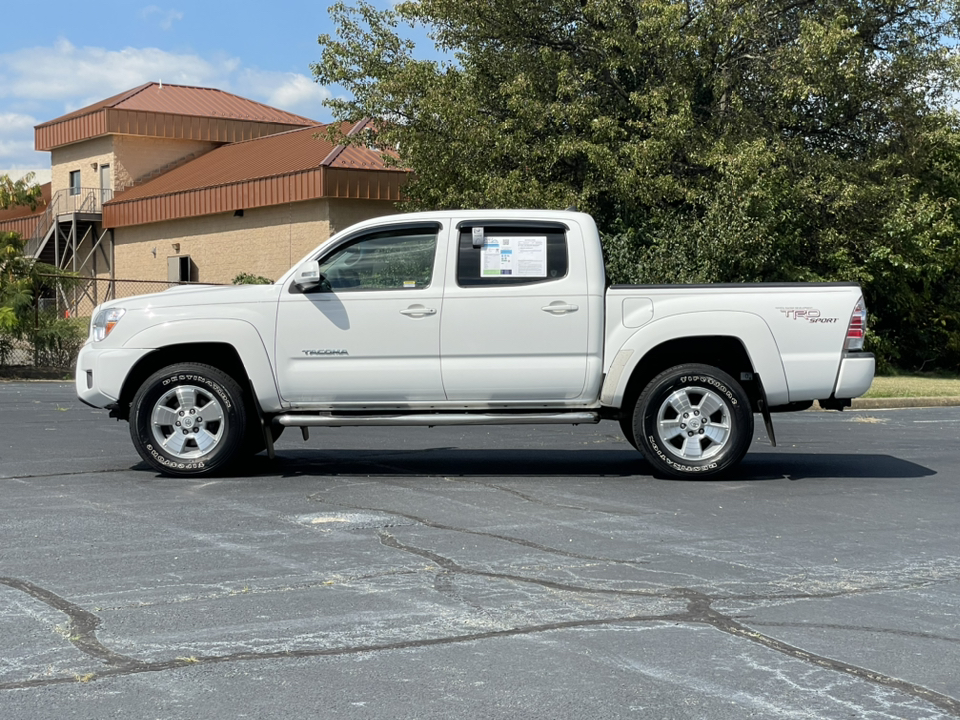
(470, 318)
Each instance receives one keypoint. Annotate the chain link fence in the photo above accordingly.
(50, 333)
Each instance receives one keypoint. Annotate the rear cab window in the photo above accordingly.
(510, 255)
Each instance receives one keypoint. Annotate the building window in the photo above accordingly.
(75, 182)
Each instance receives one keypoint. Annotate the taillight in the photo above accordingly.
(857, 327)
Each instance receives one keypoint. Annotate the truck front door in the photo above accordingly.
(370, 333)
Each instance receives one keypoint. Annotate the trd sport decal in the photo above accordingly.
(806, 314)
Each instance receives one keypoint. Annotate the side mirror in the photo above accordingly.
(308, 275)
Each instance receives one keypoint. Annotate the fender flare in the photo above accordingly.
(241, 335)
(751, 330)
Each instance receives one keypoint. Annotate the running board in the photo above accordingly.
(429, 420)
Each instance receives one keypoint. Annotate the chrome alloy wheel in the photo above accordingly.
(694, 424)
(187, 422)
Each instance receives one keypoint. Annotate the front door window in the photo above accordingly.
(370, 331)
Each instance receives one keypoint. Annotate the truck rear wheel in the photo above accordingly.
(693, 421)
(188, 420)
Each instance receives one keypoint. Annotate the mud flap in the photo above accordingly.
(765, 411)
(265, 428)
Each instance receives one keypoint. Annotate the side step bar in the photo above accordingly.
(429, 420)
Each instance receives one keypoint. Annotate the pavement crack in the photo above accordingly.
(67, 473)
(700, 610)
(858, 628)
(246, 656)
(539, 501)
(449, 565)
(495, 536)
(83, 624)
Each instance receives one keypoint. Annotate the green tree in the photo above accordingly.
(718, 140)
(246, 278)
(23, 281)
(53, 337)
(19, 192)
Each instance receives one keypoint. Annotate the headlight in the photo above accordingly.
(105, 321)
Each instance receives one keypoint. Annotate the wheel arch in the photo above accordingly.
(233, 346)
(683, 339)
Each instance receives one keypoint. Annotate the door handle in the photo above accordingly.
(418, 311)
(560, 308)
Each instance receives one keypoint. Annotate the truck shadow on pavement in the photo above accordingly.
(452, 461)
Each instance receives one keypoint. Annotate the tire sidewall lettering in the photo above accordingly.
(201, 380)
(713, 382)
(209, 379)
(164, 460)
(679, 466)
(692, 377)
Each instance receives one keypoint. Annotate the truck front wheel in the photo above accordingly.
(693, 421)
(188, 420)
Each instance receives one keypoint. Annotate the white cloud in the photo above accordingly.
(79, 76)
(16, 136)
(17, 156)
(41, 174)
(166, 17)
(51, 81)
(15, 122)
(287, 91)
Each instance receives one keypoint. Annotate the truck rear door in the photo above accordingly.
(515, 314)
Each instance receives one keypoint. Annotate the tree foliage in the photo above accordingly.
(713, 140)
(19, 192)
(246, 278)
(53, 338)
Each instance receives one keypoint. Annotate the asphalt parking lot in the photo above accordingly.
(517, 572)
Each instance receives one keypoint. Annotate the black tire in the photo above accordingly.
(706, 442)
(167, 424)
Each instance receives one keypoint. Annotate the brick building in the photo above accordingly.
(169, 182)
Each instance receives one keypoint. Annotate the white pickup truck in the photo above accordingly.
(470, 318)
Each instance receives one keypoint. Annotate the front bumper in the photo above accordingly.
(101, 372)
(856, 374)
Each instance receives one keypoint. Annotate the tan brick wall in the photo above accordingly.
(81, 156)
(129, 157)
(137, 156)
(265, 241)
(344, 213)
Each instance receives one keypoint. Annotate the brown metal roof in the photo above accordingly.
(24, 226)
(287, 167)
(24, 210)
(171, 111)
(189, 100)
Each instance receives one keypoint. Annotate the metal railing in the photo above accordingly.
(66, 202)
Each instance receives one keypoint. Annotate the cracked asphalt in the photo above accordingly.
(532, 572)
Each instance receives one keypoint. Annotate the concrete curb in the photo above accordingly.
(894, 403)
(888, 403)
(31, 374)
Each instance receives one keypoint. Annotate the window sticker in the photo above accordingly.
(514, 256)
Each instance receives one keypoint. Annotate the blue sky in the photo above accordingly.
(58, 56)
